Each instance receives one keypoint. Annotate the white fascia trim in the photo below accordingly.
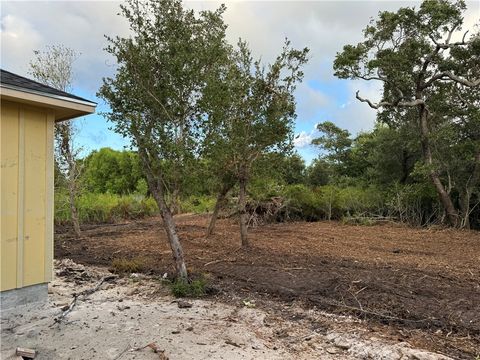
(40, 93)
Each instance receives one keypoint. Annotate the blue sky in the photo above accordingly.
(323, 26)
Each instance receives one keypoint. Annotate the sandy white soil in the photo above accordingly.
(126, 314)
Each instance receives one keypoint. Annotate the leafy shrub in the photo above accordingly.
(104, 208)
(197, 204)
(332, 202)
(194, 288)
(416, 204)
(303, 203)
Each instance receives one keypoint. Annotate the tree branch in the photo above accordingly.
(451, 76)
(398, 103)
(447, 44)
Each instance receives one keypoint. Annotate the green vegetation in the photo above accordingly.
(194, 288)
(104, 208)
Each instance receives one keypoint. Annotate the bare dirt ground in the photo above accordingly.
(134, 318)
(409, 285)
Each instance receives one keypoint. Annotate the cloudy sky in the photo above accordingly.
(323, 26)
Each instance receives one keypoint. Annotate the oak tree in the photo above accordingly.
(251, 110)
(155, 92)
(415, 53)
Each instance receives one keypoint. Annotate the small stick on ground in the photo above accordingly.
(83, 294)
(219, 261)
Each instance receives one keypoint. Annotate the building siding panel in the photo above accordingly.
(35, 197)
(9, 129)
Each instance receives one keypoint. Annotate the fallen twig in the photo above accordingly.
(214, 262)
(219, 261)
(83, 294)
(233, 343)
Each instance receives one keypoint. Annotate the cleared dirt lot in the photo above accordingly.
(415, 285)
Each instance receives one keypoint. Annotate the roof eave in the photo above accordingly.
(66, 108)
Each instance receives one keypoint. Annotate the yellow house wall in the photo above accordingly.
(26, 181)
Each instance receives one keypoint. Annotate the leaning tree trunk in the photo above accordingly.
(450, 211)
(243, 211)
(170, 229)
(222, 195)
(155, 184)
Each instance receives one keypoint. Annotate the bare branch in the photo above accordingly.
(451, 76)
(398, 103)
(368, 78)
(447, 44)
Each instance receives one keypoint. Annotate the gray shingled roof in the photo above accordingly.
(7, 78)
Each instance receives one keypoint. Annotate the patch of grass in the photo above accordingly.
(198, 204)
(193, 288)
(96, 208)
(127, 266)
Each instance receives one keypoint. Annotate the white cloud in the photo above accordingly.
(18, 38)
(302, 139)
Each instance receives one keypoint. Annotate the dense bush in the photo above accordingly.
(331, 202)
(104, 208)
(416, 204)
(197, 204)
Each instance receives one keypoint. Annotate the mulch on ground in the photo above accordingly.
(419, 285)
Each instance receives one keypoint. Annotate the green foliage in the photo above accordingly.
(111, 171)
(197, 204)
(319, 173)
(251, 112)
(303, 203)
(416, 204)
(162, 69)
(194, 288)
(334, 140)
(104, 208)
(332, 202)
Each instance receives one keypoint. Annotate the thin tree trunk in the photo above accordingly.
(451, 212)
(465, 209)
(466, 196)
(176, 199)
(242, 211)
(155, 185)
(73, 209)
(221, 197)
(73, 172)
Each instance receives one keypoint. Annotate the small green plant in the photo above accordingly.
(193, 288)
(127, 266)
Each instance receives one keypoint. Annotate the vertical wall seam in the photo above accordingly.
(21, 196)
(49, 198)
